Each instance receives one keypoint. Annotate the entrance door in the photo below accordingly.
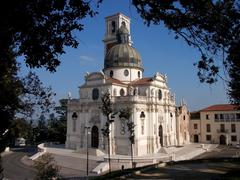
(196, 140)
(95, 139)
(222, 139)
(160, 134)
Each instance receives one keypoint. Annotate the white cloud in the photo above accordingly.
(87, 59)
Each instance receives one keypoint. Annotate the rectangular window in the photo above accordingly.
(216, 116)
(195, 126)
(226, 116)
(232, 116)
(208, 137)
(208, 128)
(207, 116)
(222, 127)
(238, 116)
(234, 138)
(221, 116)
(233, 128)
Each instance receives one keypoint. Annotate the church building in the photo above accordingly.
(156, 117)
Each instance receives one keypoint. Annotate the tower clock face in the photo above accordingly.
(95, 94)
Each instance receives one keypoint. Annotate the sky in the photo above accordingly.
(159, 50)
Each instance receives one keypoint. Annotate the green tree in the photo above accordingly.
(19, 128)
(37, 31)
(57, 125)
(213, 27)
(126, 114)
(35, 98)
(57, 128)
(46, 168)
(41, 130)
(107, 110)
(10, 89)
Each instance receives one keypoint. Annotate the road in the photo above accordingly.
(14, 169)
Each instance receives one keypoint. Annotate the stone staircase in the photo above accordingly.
(169, 150)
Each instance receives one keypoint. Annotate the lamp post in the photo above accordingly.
(87, 147)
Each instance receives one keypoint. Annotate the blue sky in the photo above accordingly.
(159, 50)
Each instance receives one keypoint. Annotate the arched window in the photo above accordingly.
(159, 94)
(95, 94)
(111, 73)
(74, 118)
(113, 26)
(139, 74)
(74, 115)
(122, 92)
(142, 117)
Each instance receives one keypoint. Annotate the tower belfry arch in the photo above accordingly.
(113, 23)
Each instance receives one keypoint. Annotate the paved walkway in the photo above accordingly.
(74, 164)
(191, 170)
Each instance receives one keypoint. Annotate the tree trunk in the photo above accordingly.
(109, 159)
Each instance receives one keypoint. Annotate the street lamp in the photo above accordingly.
(87, 147)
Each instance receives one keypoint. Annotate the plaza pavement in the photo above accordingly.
(73, 164)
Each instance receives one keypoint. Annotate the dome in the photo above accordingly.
(122, 55)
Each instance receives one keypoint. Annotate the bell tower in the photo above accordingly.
(112, 24)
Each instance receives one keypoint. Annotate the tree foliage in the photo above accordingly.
(213, 27)
(35, 98)
(57, 126)
(126, 113)
(107, 110)
(10, 89)
(46, 168)
(36, 31)
(39, 30)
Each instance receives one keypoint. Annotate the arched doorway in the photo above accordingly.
(95, 138)
(160, 134)
(222, 139)
(195, 138)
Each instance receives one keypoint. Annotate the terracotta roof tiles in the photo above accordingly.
(112, 80)
(222, 107)
(142, 81)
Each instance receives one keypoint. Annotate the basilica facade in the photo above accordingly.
(158, 121)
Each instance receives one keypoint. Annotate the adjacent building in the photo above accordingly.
(216, 124)
(159, 122)
(182, 124)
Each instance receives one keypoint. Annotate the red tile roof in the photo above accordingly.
(142, 81)
(222, 107)
(112, 80)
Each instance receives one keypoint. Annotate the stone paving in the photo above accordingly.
(190, 170)
(74, 164)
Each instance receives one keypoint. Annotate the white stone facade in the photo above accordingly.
(152, 104)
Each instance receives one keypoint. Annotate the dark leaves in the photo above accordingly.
(39, 30)
(213, 27)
